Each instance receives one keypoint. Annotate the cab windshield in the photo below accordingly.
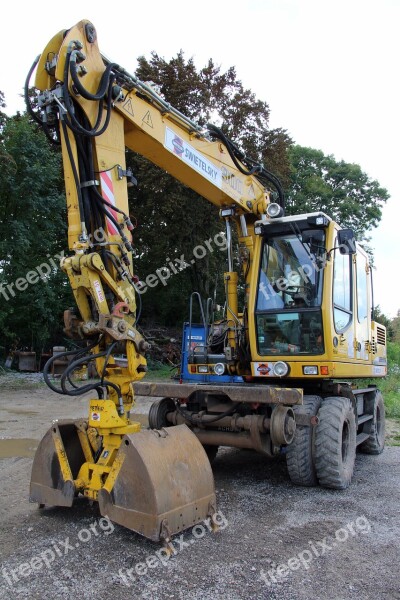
(288, 313)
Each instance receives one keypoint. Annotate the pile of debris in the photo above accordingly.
(165, 344)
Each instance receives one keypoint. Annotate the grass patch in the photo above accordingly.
(14, 381)
(159, 371)
(392, 432)
(392, 404)
(390, 388)
(389, 385)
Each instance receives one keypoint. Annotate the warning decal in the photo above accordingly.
(99, 290)
(147, 119)
(128, 107)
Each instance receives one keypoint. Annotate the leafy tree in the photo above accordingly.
(172, 219)
(3, 116)
(32, 233)
(340, 189)
(395, 329)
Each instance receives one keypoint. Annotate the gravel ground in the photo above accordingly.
(275, 540)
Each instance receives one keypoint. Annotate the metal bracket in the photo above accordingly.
(89, 183)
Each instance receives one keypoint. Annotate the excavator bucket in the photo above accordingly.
(160, 483)
(163, 483)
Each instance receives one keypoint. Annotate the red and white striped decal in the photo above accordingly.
(107, 191)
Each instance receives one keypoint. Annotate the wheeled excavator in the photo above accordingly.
(275, 375)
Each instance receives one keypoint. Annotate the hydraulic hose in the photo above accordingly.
(254, 169)
(74, 365)
(29, 108)
(78, 352)
(104, 82)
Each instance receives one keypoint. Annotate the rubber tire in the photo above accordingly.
(158, 413)
(335, 443)
(300, 453)
(376, 441)
(211, 452)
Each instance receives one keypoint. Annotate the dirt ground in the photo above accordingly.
(275, 540)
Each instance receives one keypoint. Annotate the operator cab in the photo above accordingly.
(289, 292)
(313, 304)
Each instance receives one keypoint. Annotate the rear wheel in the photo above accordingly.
(158, 413)
(376, 441)
(300, 453)
(335, 443)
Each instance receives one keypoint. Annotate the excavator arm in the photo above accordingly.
(95, 109)
(72, 72)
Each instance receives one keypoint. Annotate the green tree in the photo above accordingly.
(172, 219)
(3, 116)
(341, 190)
(32, 232)
(395, 328)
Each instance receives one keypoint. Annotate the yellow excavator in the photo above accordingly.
(274, 375)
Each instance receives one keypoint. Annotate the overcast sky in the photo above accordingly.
(328, 70)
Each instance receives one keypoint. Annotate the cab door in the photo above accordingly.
(362, 301)
(343, 304)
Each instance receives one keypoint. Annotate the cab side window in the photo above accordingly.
(342, 284)
(362, 285)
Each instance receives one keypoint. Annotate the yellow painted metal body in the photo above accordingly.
(144, 123)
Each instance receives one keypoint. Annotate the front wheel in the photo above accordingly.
(335, 443)
(300, 453)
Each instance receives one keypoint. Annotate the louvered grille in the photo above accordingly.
(381, 336)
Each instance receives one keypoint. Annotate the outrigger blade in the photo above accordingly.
(160, 483)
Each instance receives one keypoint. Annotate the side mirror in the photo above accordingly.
(346, 241)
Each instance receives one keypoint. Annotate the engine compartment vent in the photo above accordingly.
(381, 335)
